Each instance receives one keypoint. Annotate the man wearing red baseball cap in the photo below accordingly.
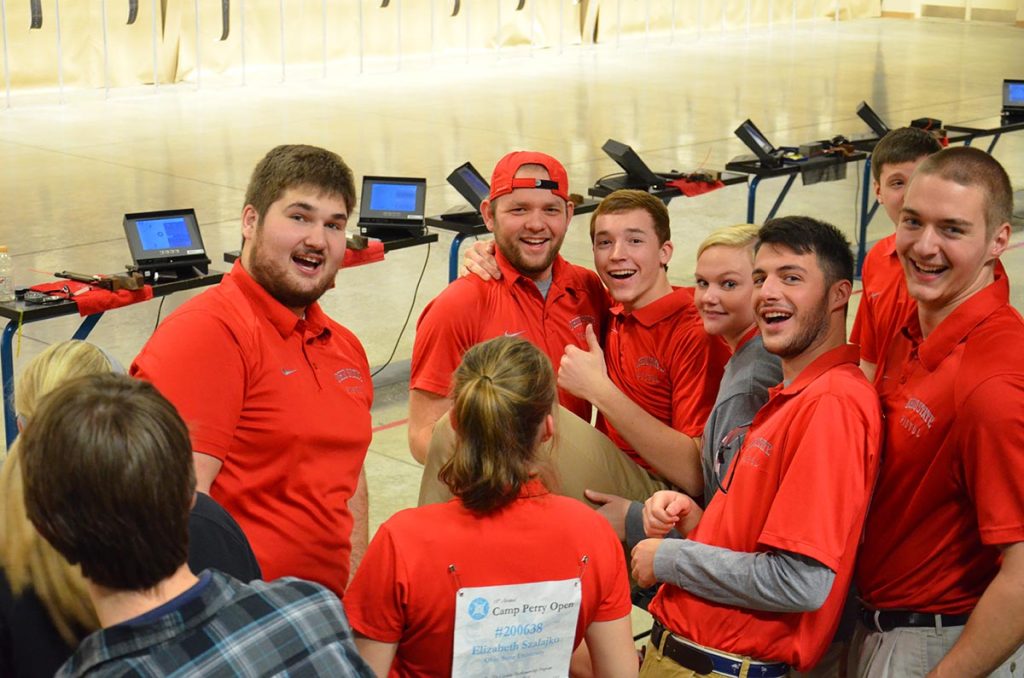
(541, 297)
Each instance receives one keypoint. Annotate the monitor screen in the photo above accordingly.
(164, 238)
(470, 184)
(635, 168)
(755, 140)
(872, 119)
(1013, 93)
(395, 199)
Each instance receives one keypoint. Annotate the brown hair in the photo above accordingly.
(108, 476)
(627, 200)
(287, 167)
(503, 390)
(904, 144)
(969, 166)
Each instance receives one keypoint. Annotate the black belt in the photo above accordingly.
(696, 659)
(887, 620)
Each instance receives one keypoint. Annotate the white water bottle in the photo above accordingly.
(6, 275)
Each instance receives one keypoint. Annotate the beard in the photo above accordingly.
(813, 326)
(275, 280)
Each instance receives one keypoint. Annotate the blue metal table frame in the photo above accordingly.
(19, 314)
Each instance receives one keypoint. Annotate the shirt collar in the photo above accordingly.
(534, 487)
(659, 309)
(964, 318)
(279, 315)
(751, 333)
(847, 353)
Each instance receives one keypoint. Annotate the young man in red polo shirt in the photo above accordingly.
(759, 584)
(884, 303)
(277, 395)
(541, 297)
(941, 569)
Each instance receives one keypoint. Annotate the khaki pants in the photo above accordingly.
(912, 652)
(581, 456)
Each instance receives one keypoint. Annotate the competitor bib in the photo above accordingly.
(516, 629)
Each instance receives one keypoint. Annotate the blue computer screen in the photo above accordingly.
(163, 234)
(1016, 93)
(393, 198)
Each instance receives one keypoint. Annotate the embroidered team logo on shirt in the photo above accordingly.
(578, 325)
(916, 417)
(757, 452)
(348, 373)
(649, 370)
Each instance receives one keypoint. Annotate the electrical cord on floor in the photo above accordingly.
(159, 312)
(408, 315)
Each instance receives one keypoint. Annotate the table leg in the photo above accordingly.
(995, 140)
(89, 322)
(453, 257)
(752, 199)
(782, 196)
(7, 371)
(866, 215)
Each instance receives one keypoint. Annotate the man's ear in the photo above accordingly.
(1000, 241)
(878, 192)
(487, 213)
(665, 253)
(839, 295)
(250, 219)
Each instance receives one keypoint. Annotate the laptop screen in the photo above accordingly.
(626, 158)
(872, 119)
(162, 239)
(470, 184)
(393, 200)
(1013, 94)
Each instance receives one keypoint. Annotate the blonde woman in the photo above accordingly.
(44, 607)
(506, 577)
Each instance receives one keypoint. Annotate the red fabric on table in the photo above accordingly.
(95, 300)
(373, 252)
(694, 188)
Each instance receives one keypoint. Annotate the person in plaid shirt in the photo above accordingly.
(108, 481)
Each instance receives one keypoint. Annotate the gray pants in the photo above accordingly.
(912, 653)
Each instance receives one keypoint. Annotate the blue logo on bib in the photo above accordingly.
(478, 608)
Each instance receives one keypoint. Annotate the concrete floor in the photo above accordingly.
(69, 172)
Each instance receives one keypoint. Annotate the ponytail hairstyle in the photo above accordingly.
(503, 391)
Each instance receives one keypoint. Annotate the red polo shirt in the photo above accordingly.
(661, 357)
(404, 591)
(801, 483)
(284, 404)
(950, 489)
(471, 310)
(885, 303)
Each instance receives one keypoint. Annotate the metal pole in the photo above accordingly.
(199, 67)
(60, 55)
(280, 5)
(7, 65)
(241, 36)
(106, 51)
(156, 57)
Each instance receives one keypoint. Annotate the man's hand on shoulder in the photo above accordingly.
(613, 508)
(479, 260)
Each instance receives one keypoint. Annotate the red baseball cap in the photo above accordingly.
(504, 179)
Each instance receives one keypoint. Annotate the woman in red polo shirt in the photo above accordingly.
(505, 578)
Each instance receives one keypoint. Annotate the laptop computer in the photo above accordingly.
(638, 174)
(472, 186)
(167, 242)
(1013, 100)
(872, 119)
(392, 206)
